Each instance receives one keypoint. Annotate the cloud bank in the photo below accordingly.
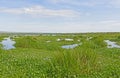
(89, 3)
(40, 11)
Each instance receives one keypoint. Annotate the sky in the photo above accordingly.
(60, 16)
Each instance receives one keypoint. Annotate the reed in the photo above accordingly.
(36, 58)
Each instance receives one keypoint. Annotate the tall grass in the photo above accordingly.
(73, 63)
(35, 58)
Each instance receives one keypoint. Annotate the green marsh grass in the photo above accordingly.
(35, 58)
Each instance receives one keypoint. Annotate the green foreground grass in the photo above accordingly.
(36, 58)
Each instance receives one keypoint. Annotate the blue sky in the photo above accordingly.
(60, 16)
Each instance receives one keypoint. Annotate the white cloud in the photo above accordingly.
(106, 26)
(115, 3)
(108, 22)
(69, 27)
(57, 1)
(40, 11)
(89, 3)
(73, 2)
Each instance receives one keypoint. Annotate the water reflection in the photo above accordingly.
(68, 39)
(8, 43)
(71, 46)
(111, 44)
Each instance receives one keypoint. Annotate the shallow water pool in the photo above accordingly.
(71, 46)
(8, 43)
(111, 44)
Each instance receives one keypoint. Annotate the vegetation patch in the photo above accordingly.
(33, 57)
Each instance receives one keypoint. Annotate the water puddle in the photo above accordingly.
(111, 44)
(68, 39)
(71, 46)
(89, 38)
(58, 39)
(48, 41)
(8, 44)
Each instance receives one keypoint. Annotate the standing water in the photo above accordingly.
(111, 44)
(8, 43)
(71, 46)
